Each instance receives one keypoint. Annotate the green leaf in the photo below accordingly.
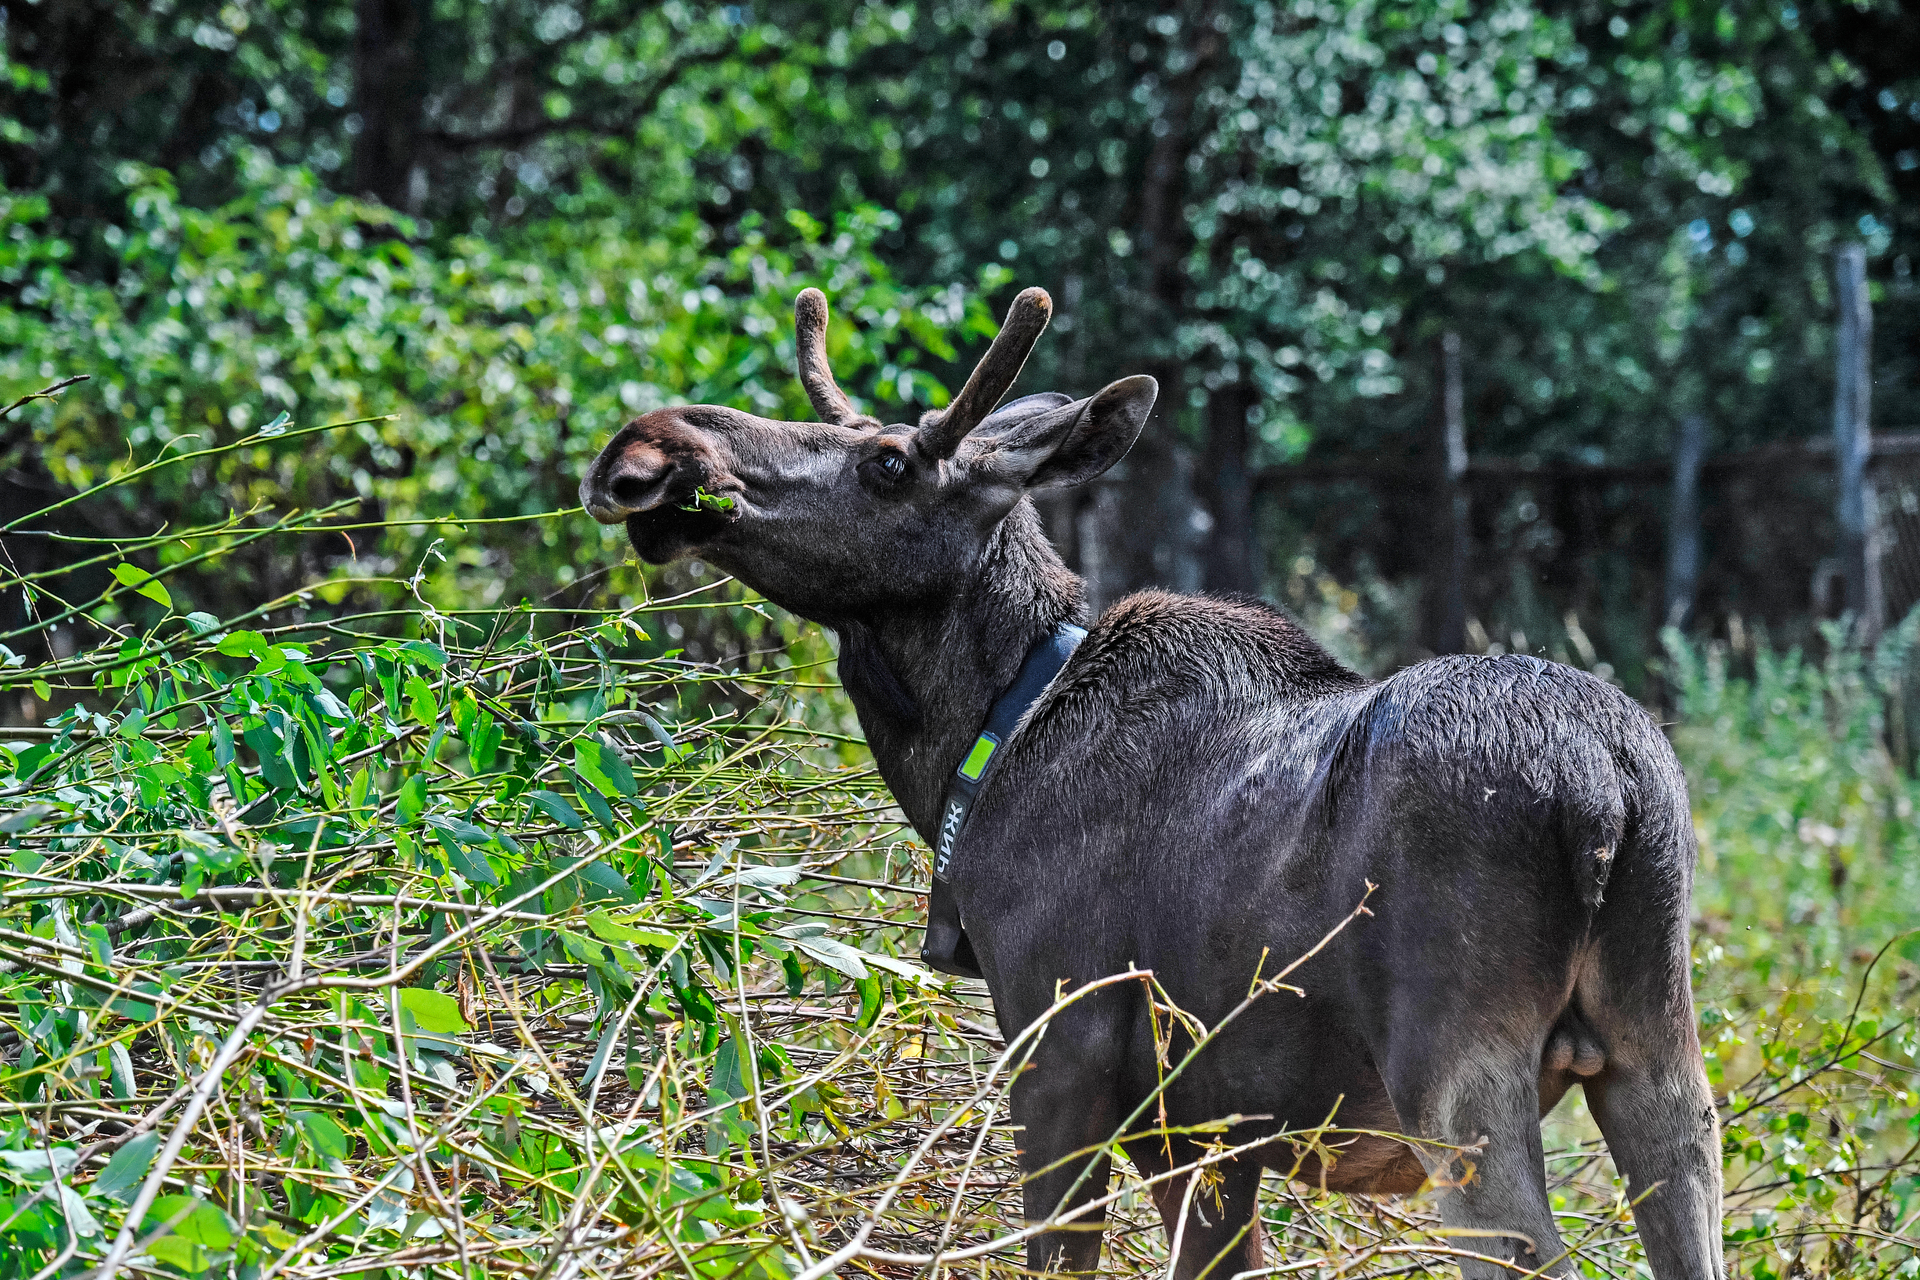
(484, 745)
(600, 1055)
(601, 765)
(607, 927)
(25, 819)
(420, 703)
(241, 644)
(269, 746)
(729, 1080)
(429, 654)
(555, 806)
(202, 623)
(595, 803)
(326, 1137)
(198, 1222)
(143, 583)
(121, 1068)
(835, 955)
(433, 1011)
(911, 972)
(470, 863)
(412, 799)
(182, 1255)
(79, 1220)
(99, 945)
(128, 1168)
(661, 735)
(870, 1001)
(610, 883)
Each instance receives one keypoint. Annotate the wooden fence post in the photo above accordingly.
(1683, 521)
(1453, 531)
(1858, 508)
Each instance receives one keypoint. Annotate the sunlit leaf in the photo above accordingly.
(433, 1011)
(143, 583)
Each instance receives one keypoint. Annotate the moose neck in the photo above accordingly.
(923, 677)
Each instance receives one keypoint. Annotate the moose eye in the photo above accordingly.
(889, 467)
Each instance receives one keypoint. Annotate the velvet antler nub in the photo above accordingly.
(992, 378)
(810, 346)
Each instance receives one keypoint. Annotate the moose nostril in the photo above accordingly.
(628, 491)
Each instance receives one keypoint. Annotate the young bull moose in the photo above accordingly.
(1201, 790)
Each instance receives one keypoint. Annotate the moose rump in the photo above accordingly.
(1524, 831)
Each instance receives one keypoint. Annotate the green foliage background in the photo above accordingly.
(519, 909)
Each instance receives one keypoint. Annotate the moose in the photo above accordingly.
(1202, 790)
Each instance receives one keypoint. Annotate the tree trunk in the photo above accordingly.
(1452, 531)
(1853, 443)
(1228, 486)
(389, 93)
(1683, 521)
(1156, 538)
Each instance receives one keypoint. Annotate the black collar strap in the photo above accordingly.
(946, 947)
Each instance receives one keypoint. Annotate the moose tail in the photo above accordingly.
(1593, 800)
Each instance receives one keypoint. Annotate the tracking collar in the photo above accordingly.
(946, 947)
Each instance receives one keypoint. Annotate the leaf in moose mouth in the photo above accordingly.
(701, 500)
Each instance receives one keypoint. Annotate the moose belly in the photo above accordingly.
(1365, 1164)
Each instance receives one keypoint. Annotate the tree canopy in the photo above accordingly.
(515, 223)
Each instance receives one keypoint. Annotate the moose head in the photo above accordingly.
(849, 516)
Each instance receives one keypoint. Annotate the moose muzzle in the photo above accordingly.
(656, 461)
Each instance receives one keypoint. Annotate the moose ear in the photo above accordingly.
(1098, 436)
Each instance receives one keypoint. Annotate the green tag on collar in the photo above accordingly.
(976, 761)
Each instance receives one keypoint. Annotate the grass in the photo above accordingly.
(422, 941)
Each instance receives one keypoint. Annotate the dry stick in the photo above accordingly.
(141, 1126)
(856, 1245)
(761, 1115)
(559, 1082)
(209, 1081)
(406, 1103)
(236, 1042)
(585, 1195)
(60, 1194)
(581, 1200)
(1207, 1161)
(366, 1197)
(960, 1188)
(1258, 987)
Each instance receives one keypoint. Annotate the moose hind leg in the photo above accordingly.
(1656, 1111)
(1483, 1118)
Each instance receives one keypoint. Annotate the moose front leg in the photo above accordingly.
(1213, 1212)
(1066, 1104)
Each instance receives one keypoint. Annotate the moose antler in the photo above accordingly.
(810, 345)
(942, 432)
